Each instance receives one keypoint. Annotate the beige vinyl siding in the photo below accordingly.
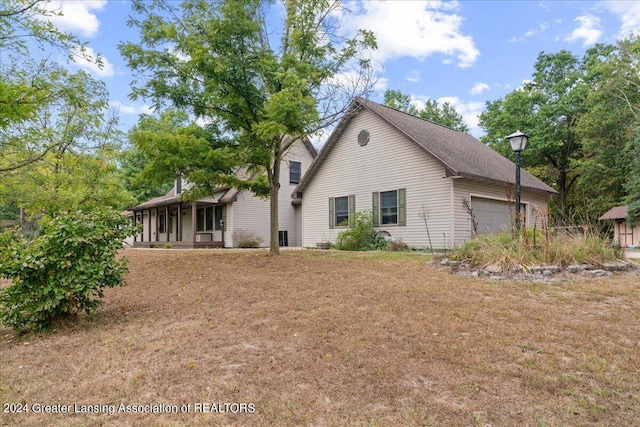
(388, 162)
(228, 225)
(465, 189)
(289, 215)
(187, 229)
(252, 213)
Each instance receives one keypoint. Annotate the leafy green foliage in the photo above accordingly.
(608, 127)
(25, 83)
(66, 152)
(9, 212)
(547, 109)
(171, 145)
(361, 236)
(62, 271)
(132, 164)
(633, 185)
(444, 114)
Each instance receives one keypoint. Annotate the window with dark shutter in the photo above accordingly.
(389, 207)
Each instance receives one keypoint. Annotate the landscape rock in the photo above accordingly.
(492, 269)
(617, 266)
(575, 268)
(597, 273)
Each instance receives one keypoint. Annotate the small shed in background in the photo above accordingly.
(624, 235)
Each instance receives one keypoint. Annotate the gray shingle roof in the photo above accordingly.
(459, 153)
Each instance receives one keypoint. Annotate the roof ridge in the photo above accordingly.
(413, 115)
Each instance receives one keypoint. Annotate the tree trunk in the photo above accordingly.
(274, 246)
(274, 188)
(562, 195)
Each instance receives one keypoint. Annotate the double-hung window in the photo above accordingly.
(390, 207)
(295, 171)
(341, 211)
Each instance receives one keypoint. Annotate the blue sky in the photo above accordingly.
(462, 52)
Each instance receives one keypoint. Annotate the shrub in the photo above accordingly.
(361, 236)
(63, 270)
(246, 239)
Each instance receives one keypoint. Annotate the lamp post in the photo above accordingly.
(518, 141)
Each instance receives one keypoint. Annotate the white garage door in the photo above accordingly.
(492, 216)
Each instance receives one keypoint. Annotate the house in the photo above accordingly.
(222, 219)
(624, 235)
(413, 175)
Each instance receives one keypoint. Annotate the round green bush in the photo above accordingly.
(63, 270)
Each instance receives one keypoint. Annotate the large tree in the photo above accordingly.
(444, 114)
(548, 108)
(77, 140)
(257, 81)
(25, 84)
(608, 128)
(621, 86)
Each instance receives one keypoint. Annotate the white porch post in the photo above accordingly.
(193, 222)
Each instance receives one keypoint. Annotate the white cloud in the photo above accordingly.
(629, 14)
(413, 76)
(541, 29)
(130, 109)
(589, 30)
(77, 16)
(87, 62)
(478, 88)
(416, 29)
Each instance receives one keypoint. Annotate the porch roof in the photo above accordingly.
(172, 199)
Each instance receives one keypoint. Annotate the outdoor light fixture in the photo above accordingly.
(518, 141)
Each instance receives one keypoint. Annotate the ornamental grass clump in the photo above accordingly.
(511, 251)
(62, 271)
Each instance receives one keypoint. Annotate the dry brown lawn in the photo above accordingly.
(326, 338)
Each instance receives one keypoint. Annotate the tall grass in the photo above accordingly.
(511, 251)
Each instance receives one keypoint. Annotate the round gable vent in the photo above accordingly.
(363, 137)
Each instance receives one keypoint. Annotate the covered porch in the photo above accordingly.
(172, 223)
